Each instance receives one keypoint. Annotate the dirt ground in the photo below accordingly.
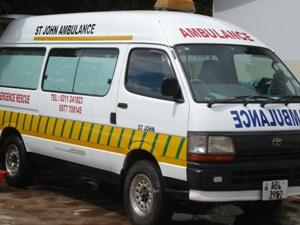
(56, 198)
(63, 200)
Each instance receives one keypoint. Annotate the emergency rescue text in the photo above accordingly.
(14, 97)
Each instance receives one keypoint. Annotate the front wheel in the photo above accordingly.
(15, 161)
(145, 199)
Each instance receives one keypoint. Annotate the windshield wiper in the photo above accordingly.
(287, 99)
(246, 99)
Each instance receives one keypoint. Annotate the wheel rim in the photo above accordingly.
(12, 160)
(141, 195)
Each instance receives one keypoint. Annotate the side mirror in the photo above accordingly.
(170, 87)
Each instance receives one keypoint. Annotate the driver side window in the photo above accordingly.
(145, 72)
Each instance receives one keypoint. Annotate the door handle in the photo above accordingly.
(122, 105)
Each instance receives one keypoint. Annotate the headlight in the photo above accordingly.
(210, 148)
(220, 145)
(197, 144)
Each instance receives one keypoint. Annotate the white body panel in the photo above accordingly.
(252, 118)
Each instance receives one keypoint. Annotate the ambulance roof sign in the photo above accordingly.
(176, 5)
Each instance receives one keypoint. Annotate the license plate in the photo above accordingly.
(274, 190)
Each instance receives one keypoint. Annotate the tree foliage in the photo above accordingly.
(41, 7)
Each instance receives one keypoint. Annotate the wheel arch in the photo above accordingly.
(5, 134)
(132, 157)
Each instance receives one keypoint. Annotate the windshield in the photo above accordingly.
(222, 73)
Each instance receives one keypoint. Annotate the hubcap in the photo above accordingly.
(12, 160)
(141, 194)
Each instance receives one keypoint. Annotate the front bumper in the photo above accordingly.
(241, 176)
(233, 196)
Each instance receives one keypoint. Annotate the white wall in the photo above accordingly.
(275, 22)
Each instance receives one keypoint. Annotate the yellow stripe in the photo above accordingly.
(165, 148)
(83, 38)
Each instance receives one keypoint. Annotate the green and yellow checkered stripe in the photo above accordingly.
(165, 148)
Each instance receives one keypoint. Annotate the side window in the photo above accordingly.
(61, 70)
(21, 67)
(146, 70)
(80, 71)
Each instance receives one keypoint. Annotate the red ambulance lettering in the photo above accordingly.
(184, 33)
(247, 36)
(241, 35)
(212, 33)
(203, 33)
(226, 35)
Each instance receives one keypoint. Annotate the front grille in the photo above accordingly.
(258, 176)
(268, 154)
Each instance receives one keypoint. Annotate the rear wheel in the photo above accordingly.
(145, 199)
(15, 161)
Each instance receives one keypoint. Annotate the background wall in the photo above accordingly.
(275, 22)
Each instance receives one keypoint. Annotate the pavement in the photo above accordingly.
(57, 198)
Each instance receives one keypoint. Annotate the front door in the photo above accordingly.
(149, 120)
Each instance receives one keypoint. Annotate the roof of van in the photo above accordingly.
(163, 27)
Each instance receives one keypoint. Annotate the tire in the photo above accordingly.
(261, 208)
(15, 161)
(145, 199)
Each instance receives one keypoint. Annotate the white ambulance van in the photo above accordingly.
(171, 106)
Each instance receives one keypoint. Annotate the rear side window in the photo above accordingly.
(21, 67)
(80, 71)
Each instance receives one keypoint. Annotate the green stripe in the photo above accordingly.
(23, 126)
(90, 133)
(54, 126)
(72, 128)
(167, 145)
(131, 138)
(3, 119)
(80, 132)
(180, 148)
(46, 126)
(11, 114)
(110, 135)
(30, 127)
(120, 138)
(154, 143)
(62, 128)
(38, 126)
(100, 134)
(17, 120)
(142, 141)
